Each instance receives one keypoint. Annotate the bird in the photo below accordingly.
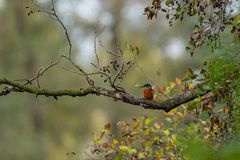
(148, 92)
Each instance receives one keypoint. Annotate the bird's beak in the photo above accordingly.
(139, 85)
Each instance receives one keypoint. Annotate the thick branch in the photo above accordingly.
(167, 105)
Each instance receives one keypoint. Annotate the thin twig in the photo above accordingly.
(40, 72)
(103, 73)
(121, 64)
(95, 43)
(114, 54)
(75, 65)
(54, 13)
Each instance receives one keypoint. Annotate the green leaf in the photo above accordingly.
(168, 2)
(193, 12)
(204, 116)
(132, 151)
(130, 47)
(118, 157)
(186, 79)
(168, 120)
(200, 91)
(193, 104)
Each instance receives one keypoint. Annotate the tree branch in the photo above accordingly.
(167, 105)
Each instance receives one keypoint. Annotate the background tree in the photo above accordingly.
(211, 74)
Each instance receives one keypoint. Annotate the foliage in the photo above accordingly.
(205, 128)
(212, 18)
(178, 135)
(197, 129)
(145, 138)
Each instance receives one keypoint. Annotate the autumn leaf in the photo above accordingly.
(124, 148)
(135, 123)
(226, 109)
(172, 85)
(115, 141)
(190, 85)
(107, 126)
(162, 90)
(107, 145)
(178, 81)
(148, 121)
(156, 125)
(137, 50)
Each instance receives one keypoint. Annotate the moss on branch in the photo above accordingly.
(125, 97)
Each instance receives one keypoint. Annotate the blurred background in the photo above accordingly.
(44, 128)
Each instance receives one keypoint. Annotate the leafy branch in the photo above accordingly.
(213, 18)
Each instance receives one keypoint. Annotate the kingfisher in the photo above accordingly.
(148, 92)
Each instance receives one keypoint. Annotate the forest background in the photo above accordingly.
(45, 128)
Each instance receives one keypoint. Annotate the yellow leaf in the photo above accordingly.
(179, 114)
(141, 155)
(124, 148)
(135, 123)
(156, 125)
(132, 151)
(172, 85)
(190, 85)
(96, 139)
(172, 155)
(133, 133)
(174, 138)
(166, 132)
(225, 109)
(148, 121)
(156, 139)
(236, 19)
(115, 141)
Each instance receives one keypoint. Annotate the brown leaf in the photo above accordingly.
(137, 50)
(107, 126)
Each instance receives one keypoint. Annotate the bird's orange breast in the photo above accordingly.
(148, 93)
